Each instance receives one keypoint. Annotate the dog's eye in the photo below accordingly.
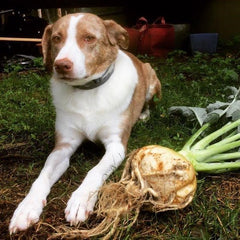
(56, 39)
(89, 39)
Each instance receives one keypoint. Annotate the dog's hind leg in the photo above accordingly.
(153, 89)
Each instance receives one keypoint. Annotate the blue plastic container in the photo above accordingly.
(204, 42)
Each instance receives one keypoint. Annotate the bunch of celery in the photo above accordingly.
(214, 158)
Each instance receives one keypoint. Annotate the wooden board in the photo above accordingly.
(20, 39)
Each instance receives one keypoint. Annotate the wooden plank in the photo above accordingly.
(20, 39)
(60, 3)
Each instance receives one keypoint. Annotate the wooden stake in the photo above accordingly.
(39, 13)
(59, 12)
(14, 39)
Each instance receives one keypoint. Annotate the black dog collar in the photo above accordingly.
(98, 81)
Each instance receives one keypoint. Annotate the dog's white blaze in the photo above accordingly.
(72, 51)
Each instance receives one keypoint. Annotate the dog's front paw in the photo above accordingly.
(80, 205)
(26, 214)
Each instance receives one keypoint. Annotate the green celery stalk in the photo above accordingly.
(214, 158)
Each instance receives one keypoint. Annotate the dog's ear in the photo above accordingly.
(116, 34)
(46, 48)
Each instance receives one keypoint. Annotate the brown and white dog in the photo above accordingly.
(99, 92)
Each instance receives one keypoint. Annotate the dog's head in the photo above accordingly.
(80, 47)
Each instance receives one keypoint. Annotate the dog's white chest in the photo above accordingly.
(90, 111)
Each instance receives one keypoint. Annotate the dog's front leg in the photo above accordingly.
(82, 201)
(29, 210)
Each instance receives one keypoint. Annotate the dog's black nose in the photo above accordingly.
(63, 65)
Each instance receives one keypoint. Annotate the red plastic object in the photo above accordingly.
(155, 39)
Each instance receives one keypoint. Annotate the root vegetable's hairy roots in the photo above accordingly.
(154, 178)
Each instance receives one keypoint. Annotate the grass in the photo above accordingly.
(27, 137)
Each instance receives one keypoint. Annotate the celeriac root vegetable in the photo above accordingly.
(158, 179)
